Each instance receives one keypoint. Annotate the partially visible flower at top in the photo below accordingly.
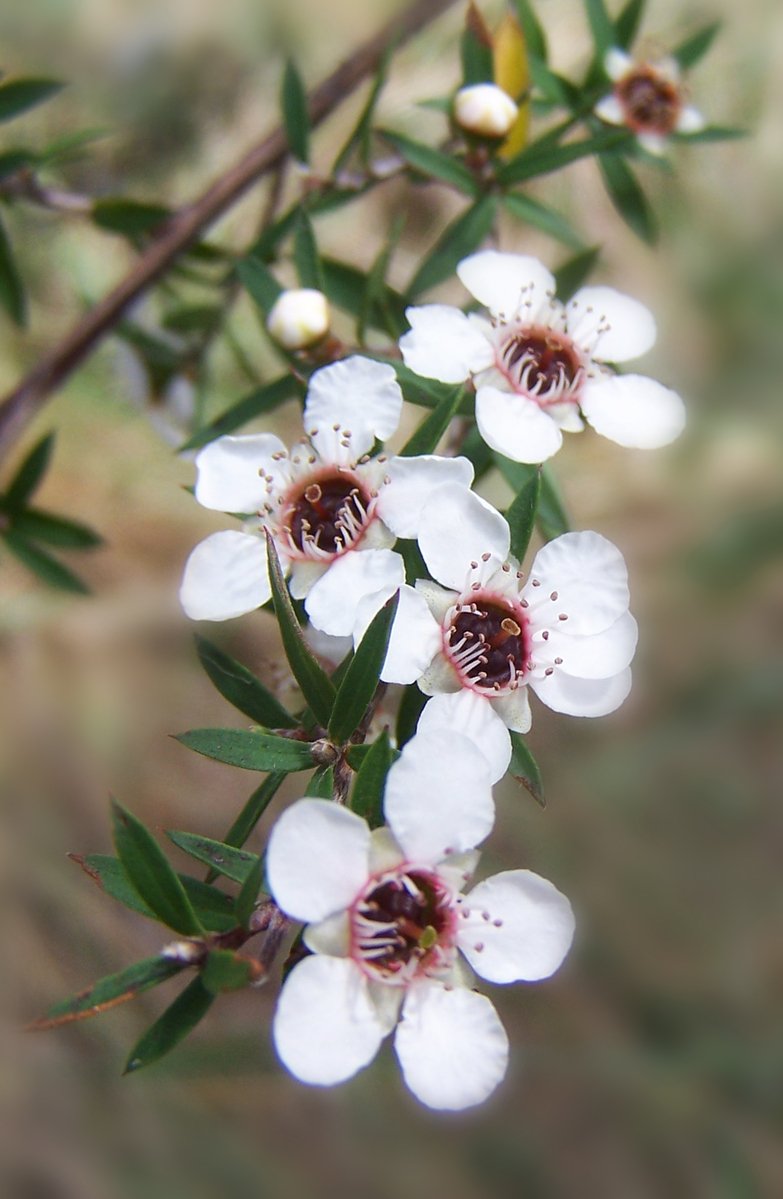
(485, 110)
(649, 99)
(389, 930)
(540, 366)
(482, 634)
(299, 318)
(333, 511)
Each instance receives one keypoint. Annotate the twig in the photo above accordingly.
(20, 406)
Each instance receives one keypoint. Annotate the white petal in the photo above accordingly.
(326, 1026)
(473, 716)
(514, 710)
(588, 578)
(414, 642)
(610, 326)
(690, 120)
(440, 677)
(318, 859)
(451, 1046)
(231, 470)
(438, 798)
(458, 528)
(443, 344)
(439, 599)
(334, 601)
(225, 576)
(304, 575)
(515, 426)
(634, 411)
(358, 394)
(385, 853)
(503, 282)
(582, 697)
(653, 143)
(331, 649)
(596, 656)
(519, 927)
(617, 63)
(412, 481)
(331, 935)
(610, 109)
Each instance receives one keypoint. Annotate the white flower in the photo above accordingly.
(481, 635)
(485, 109)
(387, 924)
(649, 99)
(332, 510)
(539, 366)
(299, 318)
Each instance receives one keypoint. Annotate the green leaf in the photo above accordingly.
(193, 318)
(225, 970)
(540, 217)
(713, 133)
(525, 770)
(551, 517)
(318, 691)
(132, 218)
(459, 238)
(628, 197)
(306, 257)
(149, 872)
(293, 101)
(476, 450)
(374, 299)
(36, 525)
(362, 676)
(253, 810)
(346, 287)
(180, 1018)
(410, 709)
(424, 439)
(241, 688)
(109, 992)
(20, 95)
(44, 565)
(534, 161)
(246, 900)
(250, 749)
(360, 135)
(432, 163)
(601, 27)
(627, 24)
(12, 293)
(30, 473)
(321, 785)
(259, 281)
(554, 89)
(367, 796)
(694, 48)
(12, 161)
(531, 27)
(572, 274)
(356, 755)
(476, 49)
(521, 515)
(214, 908)
(233, 863)
(258, 403)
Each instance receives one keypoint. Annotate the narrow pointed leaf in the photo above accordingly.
(44, 565)
(713, 133)
(321, 785)
(551, 517)
(36, 525)
(534, 161)
(572, 274)
(180, 1018)
(411, 705)
(246, 900)
(241, 688)
(20, 95)
(627, 24)
(257, 279)
(258, 403)
(521, 515)
(600, 26)
(693, 48)
(306, 257)
(425, 439)
(367, 796)
(432, 163)
(109, 992)
(357, 755)
(534, 34)
(250, 749)
(214, 908)
(374, 300)
(359, 138)
(293, 101)
(525, 770)
(628, 197)
(12, 293)
(346, 287)
(133, 219)
(150, 873)
(233, 863)
(253, 810)
(362, 676)
(540, 217)
(225, 970)
(318, 691)
(476, 49)
(30, 473)
(459, 239)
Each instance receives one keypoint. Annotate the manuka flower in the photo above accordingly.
(649, 99)
(389, 929)
(482, 634)
(322, 502)
(540, 366)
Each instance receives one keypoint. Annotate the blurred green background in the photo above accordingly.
(652, 1065)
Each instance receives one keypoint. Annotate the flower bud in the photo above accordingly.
(485, 110)
(299, 318)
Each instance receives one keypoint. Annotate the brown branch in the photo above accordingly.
(19, 407)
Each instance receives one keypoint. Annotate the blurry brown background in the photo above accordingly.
(651, 1065)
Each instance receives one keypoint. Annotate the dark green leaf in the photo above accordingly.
(411, 705)
(241, 688)
(424, 439)
(318, 691)
(693, 48)
(628, 197)
(213, 908)
(259, 403)
(306, 257)
(415, 566)
(233, 863)
(12, 293)
(35, 525)
(359, 138)
(109, 992)
(367, 796)
(225, 970)
(459, 238)
(256, 278)
(253, 810)
(533, 161)
(427, 393)
(551, 517)
(149, 872)
(521, 515)
(193, 318)
(374, 300)
(246, 900)
(131, 218)
(601, 27)
(713, 133)
(180, 1018)
(476, 450)
(44, 565)
(362, 676)
(432, 163)
(553, 88)
(476, 49)
(627, 24)
(293, 101)
(12, 161)
(540, 217)
(30, 473)
(20, 95)
(346, 287)
(357, 755)
(531, 27)
(525, 770)
(572, 274)
(250, 749)
(321, 785)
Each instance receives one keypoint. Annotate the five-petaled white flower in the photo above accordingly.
(321, 502)
(539, 366)
(481, 635)
(387, 923)
(649, 99)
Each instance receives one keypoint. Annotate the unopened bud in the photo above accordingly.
(485, 110)
(299, 318)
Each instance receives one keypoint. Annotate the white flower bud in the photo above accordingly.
(299, 318)
(485, 110)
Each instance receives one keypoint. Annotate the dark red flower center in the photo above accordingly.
(328, 515)
(651, 102)
(488, 643)
(542, 362)
(403, 923)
